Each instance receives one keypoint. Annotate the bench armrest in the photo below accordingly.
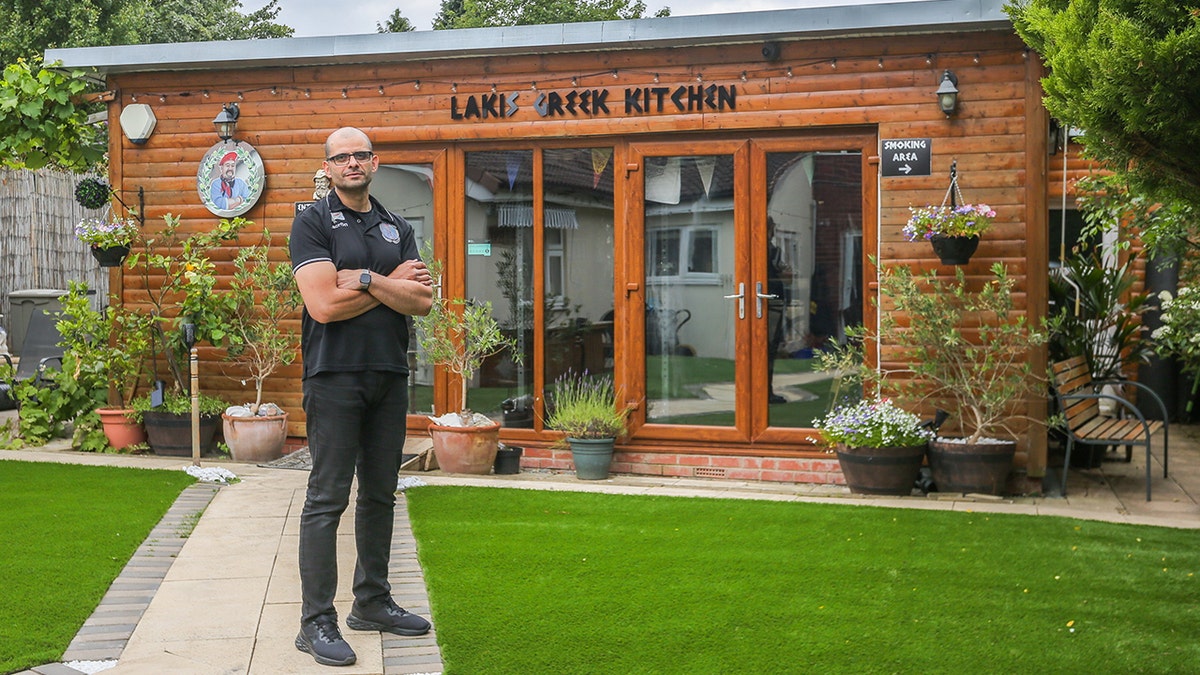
(1162, 407)
(1123, 402)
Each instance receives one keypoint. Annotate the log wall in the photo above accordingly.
(881, 84)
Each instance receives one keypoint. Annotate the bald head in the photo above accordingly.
(344, 134)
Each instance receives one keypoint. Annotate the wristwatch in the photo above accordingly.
(365, 280)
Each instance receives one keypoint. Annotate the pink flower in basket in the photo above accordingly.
(968, 220)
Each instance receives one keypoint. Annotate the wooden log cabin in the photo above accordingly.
(607, 186)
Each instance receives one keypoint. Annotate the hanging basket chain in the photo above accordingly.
(953, 193)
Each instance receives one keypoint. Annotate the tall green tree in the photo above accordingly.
(43, 120)
(43, 113)
(29, 27)
(396, 23)
(490, 13)
(1128, 73)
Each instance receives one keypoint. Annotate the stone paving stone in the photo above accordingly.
(106, 632)
(55, 669)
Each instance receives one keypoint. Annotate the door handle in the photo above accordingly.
(760, 296)
(741, 298)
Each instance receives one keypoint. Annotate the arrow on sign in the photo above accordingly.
(906, 169)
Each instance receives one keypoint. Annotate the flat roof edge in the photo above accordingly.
(888, 18)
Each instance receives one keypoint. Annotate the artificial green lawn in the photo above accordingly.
(525, 581)
(65, 533)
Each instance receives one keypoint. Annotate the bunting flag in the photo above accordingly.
(705, 167)
(514, 168)
(600, 157)
(662, 180)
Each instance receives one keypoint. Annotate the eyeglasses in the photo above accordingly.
(344, 158)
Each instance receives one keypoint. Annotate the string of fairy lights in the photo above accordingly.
(585, 79)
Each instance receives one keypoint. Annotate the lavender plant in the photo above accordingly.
(587, 407)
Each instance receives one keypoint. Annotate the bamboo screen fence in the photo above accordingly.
(38, 248)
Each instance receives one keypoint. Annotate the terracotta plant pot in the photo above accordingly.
(120, 430)
(971, 467)
(881, 471)
(466, 449)
(257, 438)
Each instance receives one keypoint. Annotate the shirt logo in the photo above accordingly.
(337, 220)
(389, 232)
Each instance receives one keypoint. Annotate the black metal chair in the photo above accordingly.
(40, 355)
(1079, 399)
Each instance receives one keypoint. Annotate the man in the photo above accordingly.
(779, 279)
(228, 191)
(357, 269)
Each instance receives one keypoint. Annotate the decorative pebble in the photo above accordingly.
(212, 474)
(91, 666)
(406, 482)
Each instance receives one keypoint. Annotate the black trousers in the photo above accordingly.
(356, 425)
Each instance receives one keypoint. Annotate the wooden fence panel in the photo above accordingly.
(38, 248)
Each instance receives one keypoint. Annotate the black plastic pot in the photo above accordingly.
(508, 460)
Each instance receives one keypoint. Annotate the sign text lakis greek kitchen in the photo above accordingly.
(596, 102)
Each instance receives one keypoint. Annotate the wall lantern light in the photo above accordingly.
(137, 121)
(226, 121)
(947, 93)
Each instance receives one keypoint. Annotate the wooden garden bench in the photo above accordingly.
(1079, 399)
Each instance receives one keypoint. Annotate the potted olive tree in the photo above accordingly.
(178, 280)
(459, 335)
(969, 353)
(586, 409)
(262, 297)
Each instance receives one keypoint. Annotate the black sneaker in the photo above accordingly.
(324, 641)
(387, 617)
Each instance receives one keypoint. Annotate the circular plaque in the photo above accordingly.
(230, 179)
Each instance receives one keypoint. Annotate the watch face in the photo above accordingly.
(365, 279)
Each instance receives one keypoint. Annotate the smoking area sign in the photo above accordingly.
(905, 157)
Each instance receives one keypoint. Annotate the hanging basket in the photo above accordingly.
(953, 228)
(111, 256)
(954, 250)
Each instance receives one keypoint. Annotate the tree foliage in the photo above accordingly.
(491, 13)
(396, 23)
(1128, 73)
(43, 120)
(44, 112)
(29, 27)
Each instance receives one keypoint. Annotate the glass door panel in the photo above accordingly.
(408, 191)
(690, 245)
(577, 253)
(498, 225)
(813, 256)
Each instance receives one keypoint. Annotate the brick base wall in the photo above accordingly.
(770, 469)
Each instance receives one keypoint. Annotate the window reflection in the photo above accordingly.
(690, 347)
(576, 267)
(815, 201)
(407, 190)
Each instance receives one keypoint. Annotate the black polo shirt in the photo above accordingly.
(378, 240)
